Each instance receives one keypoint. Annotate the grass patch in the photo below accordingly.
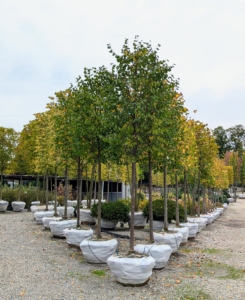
(76, 275)
(190, 293)
(211, 251)
(232, 272)
(99, 273)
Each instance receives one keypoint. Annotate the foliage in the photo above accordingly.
(27, 195)
(112, 211)
(158, 210)
(221, 138)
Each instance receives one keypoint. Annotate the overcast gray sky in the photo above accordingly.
(44, 46)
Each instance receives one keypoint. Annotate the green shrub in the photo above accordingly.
(27, 195)
(112, 211)
(158, 210)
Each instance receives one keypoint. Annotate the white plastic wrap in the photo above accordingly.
(160, 252)
(132, 271)
(38, 215)
(209, 217)
(200, 221)
(139, 219)
(172, 239)
(35, 208)
(183, 229)
(61, 211)
(108, 224)
(71, 202)
(97, 251)
(225, 205)
(193, 228)
(35, 203)
(93, 201)
(216, 214)
(76, 236)
(3, 205)
(57, 227)
(47, 220)
(85, 217)
(231, 200)
(241, 196)
(158, 225)
(221, 209)
(18, 205)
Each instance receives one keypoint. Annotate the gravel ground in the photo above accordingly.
(34, 265)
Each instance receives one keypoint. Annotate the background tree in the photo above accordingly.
(8, 140)
(221, 138)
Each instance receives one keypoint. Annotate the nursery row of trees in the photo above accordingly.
(116, 124)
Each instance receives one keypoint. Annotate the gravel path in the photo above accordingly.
(34, 265)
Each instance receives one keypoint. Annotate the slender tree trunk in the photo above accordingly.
(194, 197)
(95, 187)
(87, 190)
(185, 190)
(99, 195)
(78, 189)
(91, 187)
(165, 198)
(38, 187)
(204, 201)
(1, 187)
(55, 193)
(46, 193)
(66, 193)
(189, 199)
(198, 195)
(125, 189)
(117, 188)
(177, 199)
(150, 199)
(20, 187)
(132, 206)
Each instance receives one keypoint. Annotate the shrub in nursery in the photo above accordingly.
(112, 211)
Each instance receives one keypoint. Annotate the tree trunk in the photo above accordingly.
(20, 187)
(150, 199)
(204, 201)
(38, 187)
(99, 196)
(1, 187)
(78, 189)
(55, 193)
(132, 206)
(185, 190)
(177, 199)
(165, 198)
(193, 197)
(46, 193)
(66, 193)
(198, 195)
(117, 188)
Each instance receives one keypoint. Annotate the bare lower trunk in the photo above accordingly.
(1, 187)
(185, 190)
(177, 199)
(165, 198)
(150, 199)
(66, 193)
(198, 195)
(132, 206)
(99, 196)
(46, 193)
(20, 187)
(78, 189)
(204, 201)
(55, 193)
(38, 187)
